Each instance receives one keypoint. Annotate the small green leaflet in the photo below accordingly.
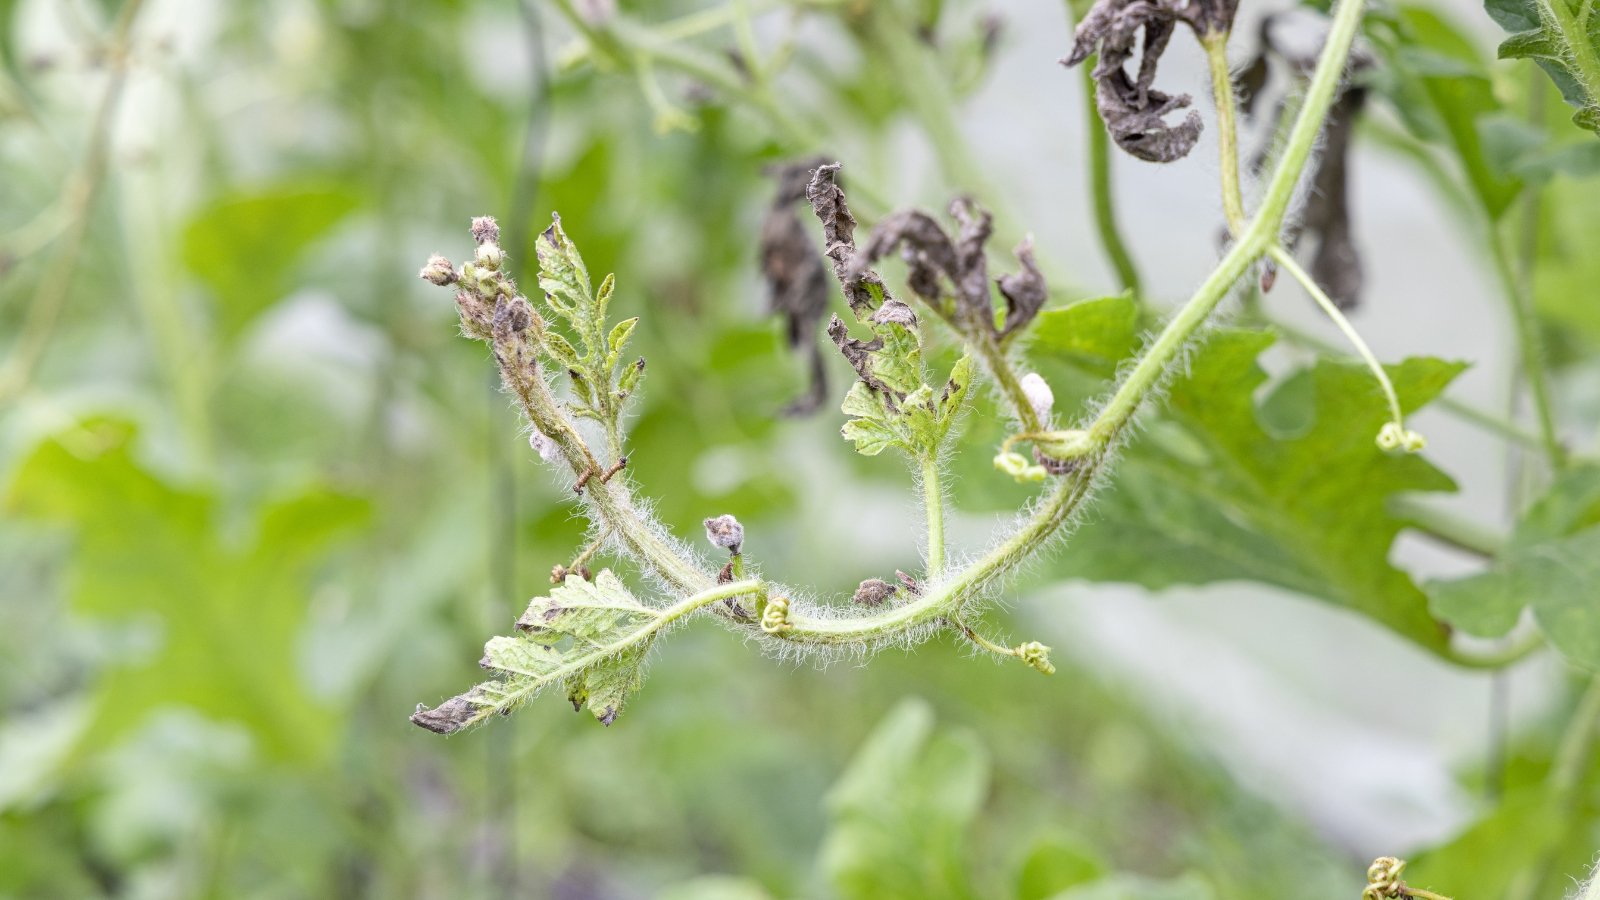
(1563, 37)
(917, 424)
(589, 637)
(1551, 565)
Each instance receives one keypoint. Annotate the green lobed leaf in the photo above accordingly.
(1097, 333)
(1219, 498)
(902, 809)
(229, 616)
(245, 247)
(1550, 565)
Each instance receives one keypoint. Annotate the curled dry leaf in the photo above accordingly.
(1133, 110)
(797, 281)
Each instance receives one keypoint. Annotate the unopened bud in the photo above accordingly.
(438, 271)
(485, 230)
(725, 532)
(490, 256)
(1039, 395)
(873, 592)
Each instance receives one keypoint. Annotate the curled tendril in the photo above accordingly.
(775, 618)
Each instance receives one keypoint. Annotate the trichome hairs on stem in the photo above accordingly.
(590, 634)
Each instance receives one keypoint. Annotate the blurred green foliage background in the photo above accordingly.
(260, 498)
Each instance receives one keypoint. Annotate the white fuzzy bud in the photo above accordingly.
(725, 531)
(1040, 397)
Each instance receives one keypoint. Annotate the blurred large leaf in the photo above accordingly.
(1436, 80)
(228, 615)
(1551, 564)
(902, 809)
(1208, 495)
(1563, 37)
(1529, 834)
(245, 247)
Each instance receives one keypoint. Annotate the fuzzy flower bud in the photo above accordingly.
(1039, 395)
(485, 230)
(725, 532)
(490, 256)
(1036, 655)
(438, 271)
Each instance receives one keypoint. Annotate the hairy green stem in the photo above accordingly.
(948, 597)
(1216, 47)
(1105, 215)
(1574, 34)
(944, 598)
(80, 192)
(933, 502)
(1005, 377)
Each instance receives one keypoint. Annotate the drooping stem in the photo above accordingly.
(1287, 262)
(933, 503)
(1105, 215)
(663, 618)
(1524, 322)
(1216, 47)
(80, 192)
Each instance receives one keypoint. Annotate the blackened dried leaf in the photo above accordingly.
(862, 287)
(893, 312)
(1133, 110)
(972, 282)
(1325, 215)
(448, 717)
(1025, 291)
(925, 247)
(797, 280)
(1337, 264)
